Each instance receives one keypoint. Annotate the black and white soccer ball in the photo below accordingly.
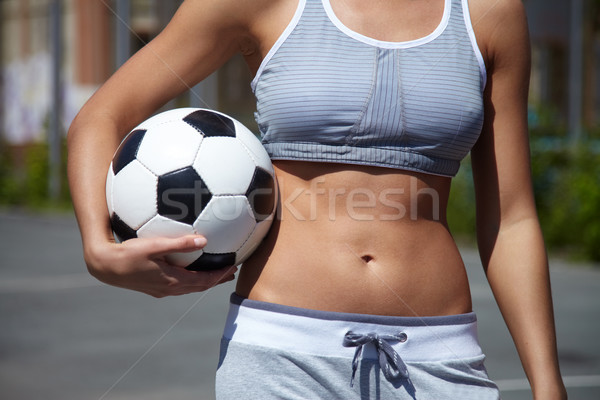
(193, 171)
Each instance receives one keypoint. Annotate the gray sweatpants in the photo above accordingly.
(269, 351)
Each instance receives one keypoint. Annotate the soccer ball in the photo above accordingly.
(193, 171)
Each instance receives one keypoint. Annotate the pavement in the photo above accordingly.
(64, 335)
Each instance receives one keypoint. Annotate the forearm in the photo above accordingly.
(519, 277)
(90, 153)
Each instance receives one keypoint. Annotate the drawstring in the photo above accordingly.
(390, 362)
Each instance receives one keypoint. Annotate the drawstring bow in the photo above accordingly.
(389, 360)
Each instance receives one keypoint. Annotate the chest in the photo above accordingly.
(328, 84)
(385, 20)
(369, 93)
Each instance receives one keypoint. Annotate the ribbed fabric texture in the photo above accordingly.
(325, 93)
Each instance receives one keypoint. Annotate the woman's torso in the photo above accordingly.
(353, 238)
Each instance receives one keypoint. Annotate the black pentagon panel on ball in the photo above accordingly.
(121, 229)
(261, 194)
(127, 150)
(182, 195)
(211, 124)
(210, 261)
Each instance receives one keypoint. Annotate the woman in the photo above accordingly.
(366, 109)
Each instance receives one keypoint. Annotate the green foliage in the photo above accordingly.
(37, 174)
(567, 189)
(567, 184)
(24, 177)
(545, 122)
(9, 183)
(461, 205)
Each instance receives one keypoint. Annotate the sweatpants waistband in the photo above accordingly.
(322, 332)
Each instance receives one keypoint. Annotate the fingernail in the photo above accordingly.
(200, 242)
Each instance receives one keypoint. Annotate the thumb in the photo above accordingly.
(163, 246)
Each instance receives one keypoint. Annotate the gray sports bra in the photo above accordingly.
(326, 93)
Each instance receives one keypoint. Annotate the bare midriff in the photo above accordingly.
(359, 239)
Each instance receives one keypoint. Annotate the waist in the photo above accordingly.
(322, 332)
(410, 271)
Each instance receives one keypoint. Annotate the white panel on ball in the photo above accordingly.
(134, 194)
(169, 147)
(109, 193)
(165, 227)
(252, 143)
(160, 226)
(224, 165)
(235, 223)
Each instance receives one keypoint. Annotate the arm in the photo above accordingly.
(201, 37)
(508, 231)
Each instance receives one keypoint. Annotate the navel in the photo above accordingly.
(367, 258)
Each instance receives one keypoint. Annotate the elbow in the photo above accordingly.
(71, 133)
(506, 234)
(74, 131)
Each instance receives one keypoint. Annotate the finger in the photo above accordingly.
(178, 280)
(229, 276)
(207, 279)
(226, 279)
(217, 275)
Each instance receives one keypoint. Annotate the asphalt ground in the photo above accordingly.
(63, 335)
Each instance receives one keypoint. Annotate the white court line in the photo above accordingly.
(47, 283)
(508, 385)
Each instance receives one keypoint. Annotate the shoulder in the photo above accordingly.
(500, 27)
(251, 22)
(492, 14)
(238, 14)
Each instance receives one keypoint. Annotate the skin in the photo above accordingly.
(344, 233)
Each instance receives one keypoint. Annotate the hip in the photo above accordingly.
(300, 330)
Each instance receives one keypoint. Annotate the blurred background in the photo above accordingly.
(55, 53)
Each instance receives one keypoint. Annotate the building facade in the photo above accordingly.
(94, 34)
